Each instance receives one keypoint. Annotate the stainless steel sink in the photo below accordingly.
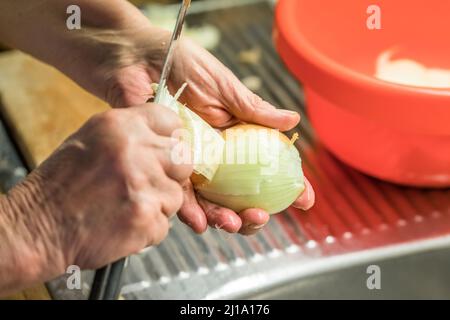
(416, 275)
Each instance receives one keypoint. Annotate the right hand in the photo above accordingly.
(111, 187)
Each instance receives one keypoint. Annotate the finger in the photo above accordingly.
(217, 117)
(253, 220)
(158, 231)
(170, 194)
(191, 213)
(160, 119)
(306, 200)
(219, 217)
(248, 107)
(176, 159)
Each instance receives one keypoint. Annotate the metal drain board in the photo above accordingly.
(353, 212)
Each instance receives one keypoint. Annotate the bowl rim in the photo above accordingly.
(304, 47)
(400, 107)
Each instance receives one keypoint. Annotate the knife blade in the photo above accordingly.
(171, 49)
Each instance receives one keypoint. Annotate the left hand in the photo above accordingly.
(119, 65)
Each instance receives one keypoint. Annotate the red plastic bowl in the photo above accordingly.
(394, 132)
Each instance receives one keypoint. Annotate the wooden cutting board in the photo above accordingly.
(41, 105)
(38, 292)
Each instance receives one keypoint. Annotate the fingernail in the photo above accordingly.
(256, 226)
(289, 112)
(308, 198)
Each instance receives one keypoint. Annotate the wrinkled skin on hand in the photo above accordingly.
(128, 58)
(112, 186)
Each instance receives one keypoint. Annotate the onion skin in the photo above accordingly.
(244, 186)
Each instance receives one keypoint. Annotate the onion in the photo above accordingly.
(247, 166)
(261, 168)
(197, 133)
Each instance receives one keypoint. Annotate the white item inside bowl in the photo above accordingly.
(410, 72)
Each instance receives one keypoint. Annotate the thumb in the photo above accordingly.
(249, 107)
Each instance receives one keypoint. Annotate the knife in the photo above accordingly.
(172, 46)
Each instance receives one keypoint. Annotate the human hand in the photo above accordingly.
(109, 190)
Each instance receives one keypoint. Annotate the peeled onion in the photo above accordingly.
(246, 166)
(261, 168)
